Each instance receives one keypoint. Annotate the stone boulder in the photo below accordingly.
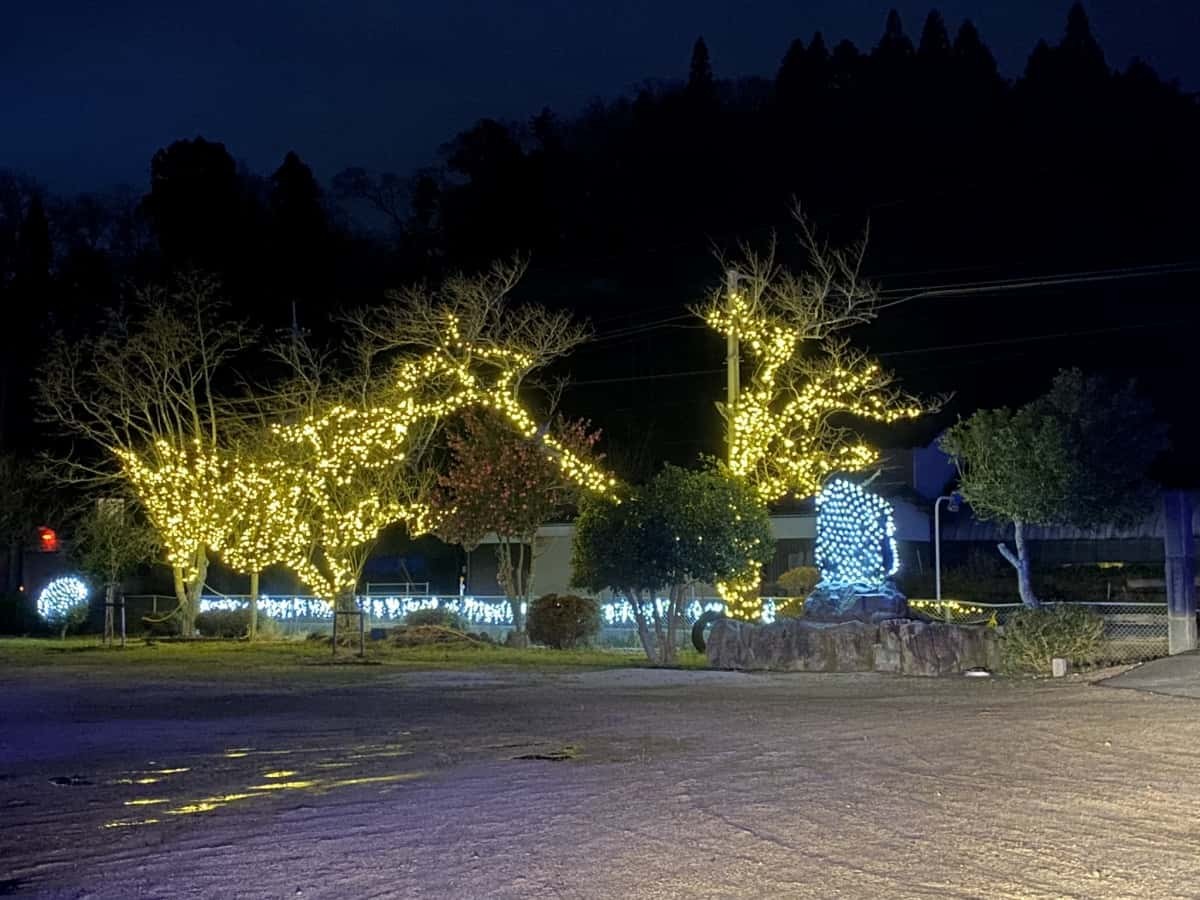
(901, 646)
(915, 647)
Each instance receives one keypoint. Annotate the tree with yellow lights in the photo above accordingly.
(308, 475)
(349, 459)
(785, 430)
(142, 393)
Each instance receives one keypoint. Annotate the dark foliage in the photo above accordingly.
(443, 618)
(233, 623)
(964, 176)
(563, 621)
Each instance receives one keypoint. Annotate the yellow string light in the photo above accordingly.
(779, 432)
(310, 496)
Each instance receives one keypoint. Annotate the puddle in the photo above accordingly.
(566, 753)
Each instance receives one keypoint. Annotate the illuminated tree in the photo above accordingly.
(349, 457)
(503, 483)
(143, 393)
(1078, 455)
(786, 432)
(684, 527)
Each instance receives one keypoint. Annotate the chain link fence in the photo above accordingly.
(1132, 631)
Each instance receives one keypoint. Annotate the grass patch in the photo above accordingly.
(224, 659)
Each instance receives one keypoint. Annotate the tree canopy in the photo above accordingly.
(1078, 455)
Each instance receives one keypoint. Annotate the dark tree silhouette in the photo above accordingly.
(299, 231)
(195, 204)
(895, 45)
(701, 88)
(935, 40)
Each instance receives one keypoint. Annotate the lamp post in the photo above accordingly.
(952, 505)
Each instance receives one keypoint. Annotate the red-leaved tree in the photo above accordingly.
(501, 483)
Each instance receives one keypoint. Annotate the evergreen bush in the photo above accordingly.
(563, 621)
(1034, 636)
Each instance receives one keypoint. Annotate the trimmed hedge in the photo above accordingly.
(563, 621)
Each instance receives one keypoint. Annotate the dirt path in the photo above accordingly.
(658, 784)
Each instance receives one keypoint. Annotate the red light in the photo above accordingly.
(47, 540)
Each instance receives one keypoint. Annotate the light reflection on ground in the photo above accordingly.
(273, 782)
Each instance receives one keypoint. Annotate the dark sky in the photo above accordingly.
(89, 89)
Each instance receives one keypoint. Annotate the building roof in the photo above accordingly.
(963, 526)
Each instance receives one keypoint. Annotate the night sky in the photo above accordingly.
(88, 91)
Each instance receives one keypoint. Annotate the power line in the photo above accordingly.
(1033, 338)
(966, 288)
(1030, 338)
(1017, 284)
(646, 377)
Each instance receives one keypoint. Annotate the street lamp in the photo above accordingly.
(953, 501)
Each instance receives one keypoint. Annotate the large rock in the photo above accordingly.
(914, 647)
(903, 646)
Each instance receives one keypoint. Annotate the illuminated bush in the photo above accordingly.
(63, 603)
(1034, 636)
(563, 621)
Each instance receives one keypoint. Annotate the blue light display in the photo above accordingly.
(856, 537)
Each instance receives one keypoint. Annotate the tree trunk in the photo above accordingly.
(674, 604)
(181, 599)
(643, 627)
(253, 632)
(507, 577)
(110, 592)
(1020, 562)
(194, 589)
(532, 569)
(659, 634)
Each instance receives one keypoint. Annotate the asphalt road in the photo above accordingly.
(628, 783)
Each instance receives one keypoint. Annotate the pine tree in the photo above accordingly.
(894, 45)
(1082, 59)
(700, 86)
(790, 80)
(974, 59)
(935, 40)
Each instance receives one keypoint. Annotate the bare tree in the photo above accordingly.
(786, 431)
(141, 397)
(110, 542)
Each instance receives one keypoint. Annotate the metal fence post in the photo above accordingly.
(1180, 572)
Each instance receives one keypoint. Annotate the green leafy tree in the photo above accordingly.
(1079, 455)
(684, 527)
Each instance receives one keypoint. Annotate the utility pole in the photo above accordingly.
(733, 361)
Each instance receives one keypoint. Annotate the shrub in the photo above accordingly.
(445, 618)
(793, 587)
(234, 623)
(1032, 637)
(563, 621)
(800, 581)
(156, 627)
(430, 635)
